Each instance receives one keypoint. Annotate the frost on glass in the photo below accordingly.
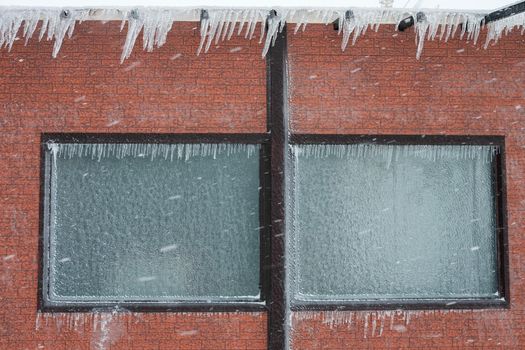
(393, 222)
(154, 222)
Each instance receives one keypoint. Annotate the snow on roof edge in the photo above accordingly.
(222, 23)
(185, 8)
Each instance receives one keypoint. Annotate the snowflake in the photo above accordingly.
(386, 3)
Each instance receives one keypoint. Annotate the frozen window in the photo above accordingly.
(152, 222)
(378, 222)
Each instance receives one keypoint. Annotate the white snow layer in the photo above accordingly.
(221, 24)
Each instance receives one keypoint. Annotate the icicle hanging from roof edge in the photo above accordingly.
(155, 24)
(421, 26)
(276, 22)
(220, 24)
(356, 22)
(495, 30)
(429, 24)
(56, 22)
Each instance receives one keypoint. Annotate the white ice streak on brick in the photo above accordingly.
(371, 323)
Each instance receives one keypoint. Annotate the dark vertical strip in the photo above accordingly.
(265, 196)
(500, 178)
(42, 211)
(276, 92)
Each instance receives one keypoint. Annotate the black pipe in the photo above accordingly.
(505, 12)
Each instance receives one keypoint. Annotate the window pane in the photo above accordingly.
(390, 222)
(154, 222)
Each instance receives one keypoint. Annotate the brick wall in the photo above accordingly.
(86, 90)
(378, 87)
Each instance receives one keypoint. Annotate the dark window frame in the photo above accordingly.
(500, 205)
(45, 304)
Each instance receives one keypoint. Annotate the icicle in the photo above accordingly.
(428, 25)
(276, 22)
(65, 24)
(99, 151)
(347, 25)
(155, 23)
(390, 152)
(252, 23)
(219, 25)
(209, 24)
(356, 22)
(212, 23)
(421, 26)
(495, 30)
(56, 22)
(371, 323)
(232, 26)
(301, 23)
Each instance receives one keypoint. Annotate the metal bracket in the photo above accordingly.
(348, 16)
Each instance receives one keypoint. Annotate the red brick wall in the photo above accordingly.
(86, 90)
(378, 87)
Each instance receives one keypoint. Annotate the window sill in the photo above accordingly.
(152, 306)
(414, 304)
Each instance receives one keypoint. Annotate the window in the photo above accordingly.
(182, 221)
(152, 222)
(396, 221)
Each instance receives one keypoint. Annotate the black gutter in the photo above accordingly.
(491, 17)
(505, 12)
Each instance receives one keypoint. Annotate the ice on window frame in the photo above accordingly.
(182, 153)
(387, 154)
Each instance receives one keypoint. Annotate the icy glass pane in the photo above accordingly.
(393, 222)
(154, 222)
